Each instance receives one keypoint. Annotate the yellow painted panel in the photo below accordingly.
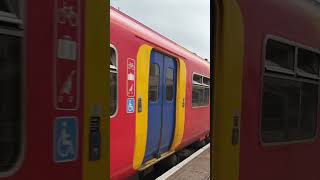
(228, 89)
(180, 104)
(143, 63)
(96, 86)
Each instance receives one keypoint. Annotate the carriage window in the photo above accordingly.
(290, 103)
(197, 79)
(206, 96)
(308, 62)
(169, 84)
(9, 6)
(206, 81)
(200, 91)
(289, 110)
(14, 6)
(113, 82)
(154, 83)
(197, 95)
(10, 101)
(4, 6)
(279, 57)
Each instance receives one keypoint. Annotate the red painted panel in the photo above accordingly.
(197, 120)
(67, 41)
(122, 126)
(38, 163)
(297, 21)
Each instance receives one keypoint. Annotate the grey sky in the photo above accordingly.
(187, 22)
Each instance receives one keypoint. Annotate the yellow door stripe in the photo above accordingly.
(228, 88)
(96, 90)
(143, 63)
(180, 105)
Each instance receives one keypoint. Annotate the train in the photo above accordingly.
(266, 122)
(159, 97)
(54, 108)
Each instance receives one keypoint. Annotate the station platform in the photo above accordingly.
(195, 167)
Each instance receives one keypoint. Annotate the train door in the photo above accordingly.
(162, 103)
(95, 155)
(228, 70)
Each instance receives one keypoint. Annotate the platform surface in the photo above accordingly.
(195, 168)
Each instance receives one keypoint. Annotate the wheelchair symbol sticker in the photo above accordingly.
(130, 105)
(65, 139)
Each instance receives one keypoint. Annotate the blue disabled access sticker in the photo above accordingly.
(65, 139)
(130, 105)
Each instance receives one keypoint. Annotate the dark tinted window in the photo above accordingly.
(290, 102)
(10, 101)
(308, 61)
(113, 82)
(9, 6)
(169, 84)
(289, 110)
(206, 96)
(4, 6)
(197, 95)
(206, 81)
(154, 83)
(279, 56)
(197, 79)
(15, 6)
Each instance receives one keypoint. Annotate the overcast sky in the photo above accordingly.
(187, 22)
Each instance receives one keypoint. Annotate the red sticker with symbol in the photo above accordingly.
(67, 43)
(131, 76)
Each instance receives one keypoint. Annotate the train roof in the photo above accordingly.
(152, 36)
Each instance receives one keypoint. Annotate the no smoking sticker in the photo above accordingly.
(131, 75)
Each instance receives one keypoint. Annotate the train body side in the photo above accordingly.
(38, 107)
(127, 36)
(297, 22)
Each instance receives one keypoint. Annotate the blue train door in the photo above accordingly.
(162, 104)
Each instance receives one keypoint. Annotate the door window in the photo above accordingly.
(154, 80)
(169, 84)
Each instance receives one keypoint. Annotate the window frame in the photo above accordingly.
(285, 76)
(200, 85)
(18, 32)
(117, 86)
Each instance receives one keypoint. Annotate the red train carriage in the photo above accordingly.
(275, 77)
(45, 93)
(286, 98)
(159, 96)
